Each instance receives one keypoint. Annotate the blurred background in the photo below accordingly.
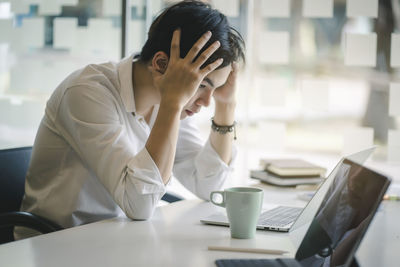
(322, 76)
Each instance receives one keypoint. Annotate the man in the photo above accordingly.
(114, 134)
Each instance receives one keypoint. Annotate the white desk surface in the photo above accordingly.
(175, 237)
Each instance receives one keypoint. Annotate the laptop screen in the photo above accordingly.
(312, 206)
(343, 216)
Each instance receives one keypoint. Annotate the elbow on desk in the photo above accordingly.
(137, 196)
(139, 216)
(140, 209)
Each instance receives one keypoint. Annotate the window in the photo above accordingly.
(321, 75)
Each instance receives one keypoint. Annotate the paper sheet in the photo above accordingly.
(99, 39)
(362, 8)
(54, 7)
(275, 8)
(394, 146)
(65, 32)
(395, 51)
(49, 7)
(318, 8)
(274, 47)
(394, 99)
(112, 7)
(229, 8)
(29, 35)
(360, 49)
(136, 36)
(140, 4)
(20, 6)
(104, 38)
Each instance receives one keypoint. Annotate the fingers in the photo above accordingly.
(191, 55)
(234, 71)
(235, 66)
(210, 67)
(175, 47)
(206, 54)
(193, 52)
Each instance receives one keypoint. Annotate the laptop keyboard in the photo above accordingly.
(279, 216)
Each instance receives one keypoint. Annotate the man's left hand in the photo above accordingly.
(226, 93)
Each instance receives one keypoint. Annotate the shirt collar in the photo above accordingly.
(125, 79)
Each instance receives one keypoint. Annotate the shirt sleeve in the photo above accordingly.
(90, 120)
(197, 165)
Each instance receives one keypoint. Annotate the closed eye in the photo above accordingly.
(202, 86)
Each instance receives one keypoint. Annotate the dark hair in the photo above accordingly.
(194, 18)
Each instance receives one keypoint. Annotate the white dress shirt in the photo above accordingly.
(89, 161)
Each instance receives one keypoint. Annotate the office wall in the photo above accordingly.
(321, 75)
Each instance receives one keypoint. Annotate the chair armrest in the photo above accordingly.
(171, 197)
(29, 220)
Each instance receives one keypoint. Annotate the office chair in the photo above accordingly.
(14, 164)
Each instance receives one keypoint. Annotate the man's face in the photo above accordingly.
(204, 93)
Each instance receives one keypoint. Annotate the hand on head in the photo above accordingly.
(183, 76)
(226, 93)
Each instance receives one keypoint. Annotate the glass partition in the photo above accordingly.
(321, 75)
(41, 42)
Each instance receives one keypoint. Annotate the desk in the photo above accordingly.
(175, 237)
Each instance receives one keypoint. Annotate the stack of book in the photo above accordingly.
(289, 172)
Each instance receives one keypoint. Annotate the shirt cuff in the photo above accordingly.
(212, 164)
(146, 176)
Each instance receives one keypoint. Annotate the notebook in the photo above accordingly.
(292, 167)
(269, 178)
(340, 223)
(285, 219)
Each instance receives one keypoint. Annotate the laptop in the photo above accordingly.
(336, 230)
(284, 218)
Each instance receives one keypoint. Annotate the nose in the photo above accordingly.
(205, 98)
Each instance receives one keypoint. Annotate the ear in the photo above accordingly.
(159, 63)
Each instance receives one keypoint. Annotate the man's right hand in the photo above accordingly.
(183, 75)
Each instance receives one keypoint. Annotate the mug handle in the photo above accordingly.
(222, 193)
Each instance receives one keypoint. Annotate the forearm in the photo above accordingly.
(161, 143)
(222, 143)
